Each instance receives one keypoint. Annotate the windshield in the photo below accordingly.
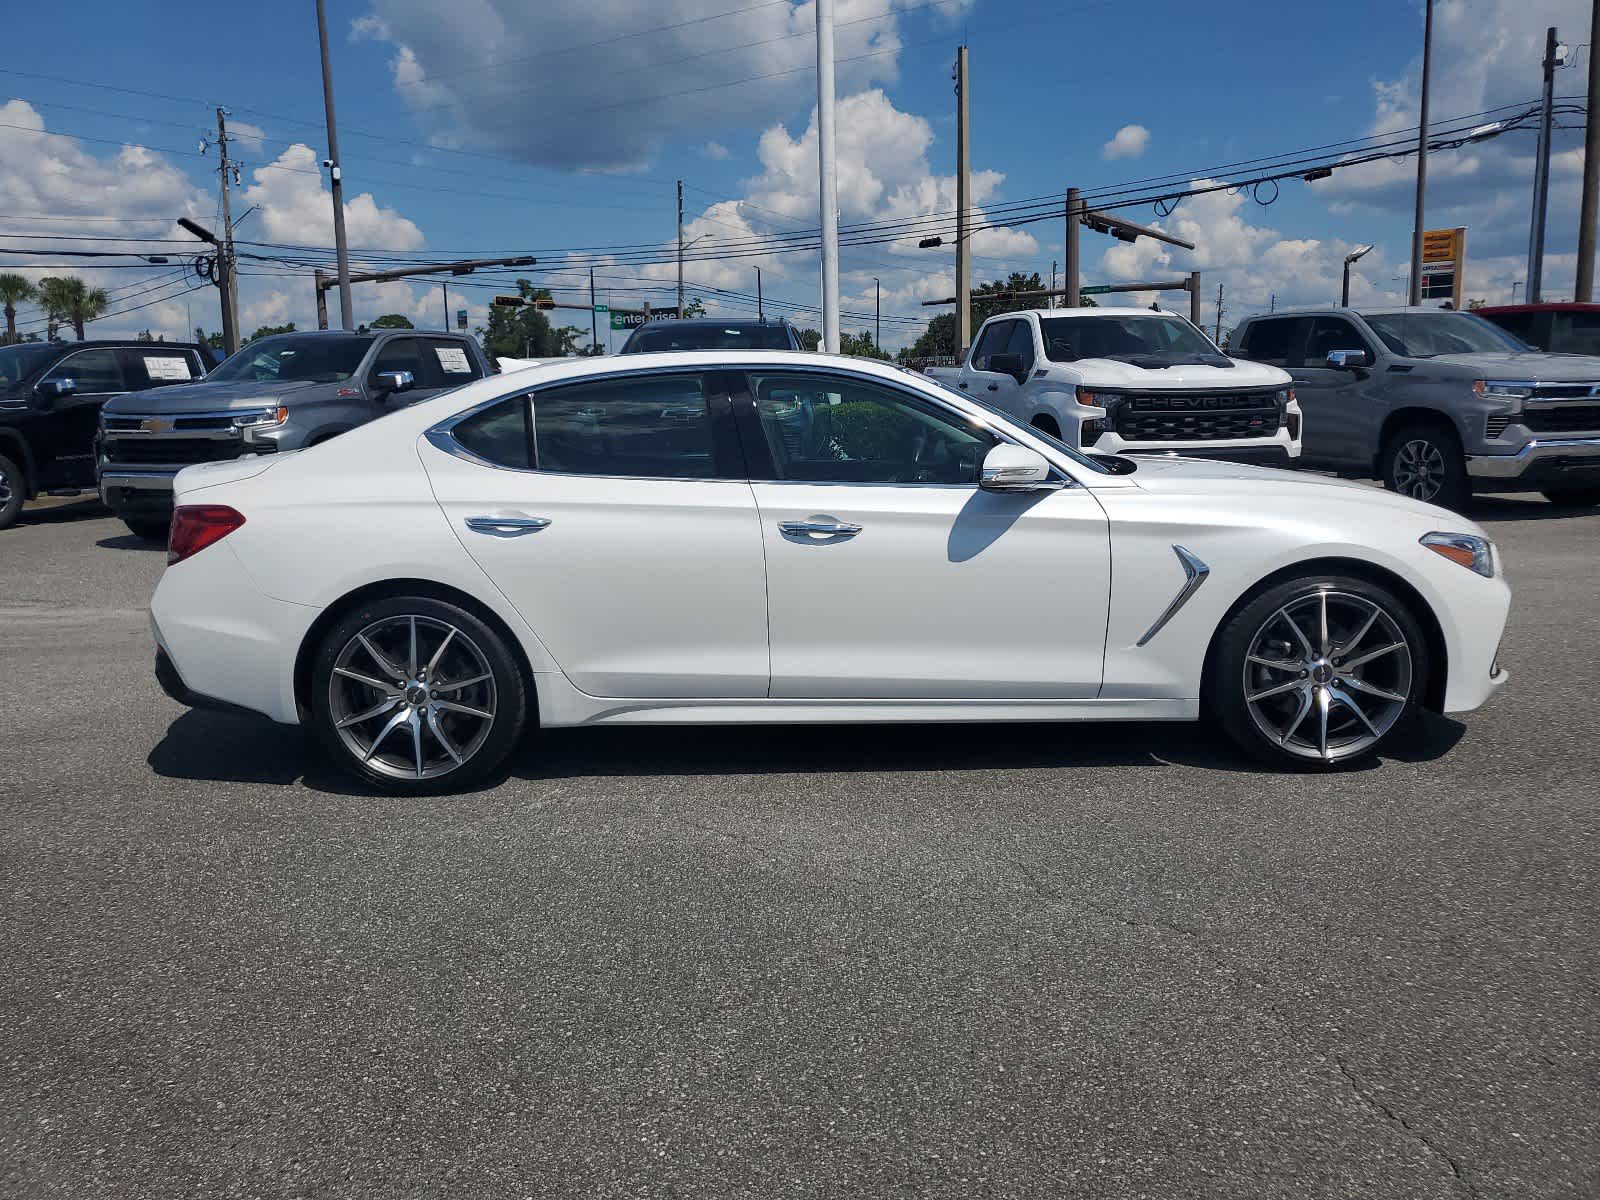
(709, 337)
(18, 362)
(1127, 338)
(317, 358)
(1426, 334)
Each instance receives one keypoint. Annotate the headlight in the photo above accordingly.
(1093, 399)
(1464, 549)
(1502, 389)
(261, 420)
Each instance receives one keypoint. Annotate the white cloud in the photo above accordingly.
(715, 151)
(1128, 142)
(297, 208)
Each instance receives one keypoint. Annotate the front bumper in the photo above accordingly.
(1256, 456)
(1543, 462)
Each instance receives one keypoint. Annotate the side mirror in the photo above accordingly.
(47, 393)
(1007, 364)
(1348, 360)
(391, 382)
(1008, 468)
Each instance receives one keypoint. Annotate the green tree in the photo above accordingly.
(147, 335)
(988, 300)
(391, 321)
(269, 330)
(810, 339)
(214, 340)
(861, 345)
(526, 332)
(14, 289)
(694, 307)
(70, 301)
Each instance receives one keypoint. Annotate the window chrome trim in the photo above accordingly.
(1195, 573)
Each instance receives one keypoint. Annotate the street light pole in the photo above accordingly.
(1415, 296)
(341, 246)
(1344, 292)
(827, 182)
(877, 330)
(761, 314)
(680, 248)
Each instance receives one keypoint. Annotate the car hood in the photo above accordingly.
(1535, 365)
(1258, 486)
(208, 397)
(1114, 373)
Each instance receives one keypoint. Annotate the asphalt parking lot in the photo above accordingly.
(965, 961)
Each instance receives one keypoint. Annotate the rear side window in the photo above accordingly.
(1573, 333)
(1517, 324)
(500, 434)
(1276, 342)
(450, 362)
(652, 426)
(158, 367)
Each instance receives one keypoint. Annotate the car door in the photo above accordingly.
(993, 387)
(65, 434)
(615, 515)
(1339, 407)
(891, 574)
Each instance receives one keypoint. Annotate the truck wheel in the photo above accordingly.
(1577, 497)
(1423, 460)
(147, 528)
(12, 490)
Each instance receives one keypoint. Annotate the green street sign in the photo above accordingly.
(1094, 291)
(602, 308)
(620, 321)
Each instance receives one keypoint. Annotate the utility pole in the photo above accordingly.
(761, 314)
(680, 247)
(1217, 336)
(1591, 168)
(446, 286)
(319, 280)
(226, 279)
(1422, 159)
(1541, 176)
(877, 329)
(594, 317)
(1193, 289)
(1272, 304)
(1073, 278)
(826, 180)
(963, 203)
(1053, 262)
(341, 247)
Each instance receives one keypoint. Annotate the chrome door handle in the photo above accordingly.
(820, 528)
(507, 527)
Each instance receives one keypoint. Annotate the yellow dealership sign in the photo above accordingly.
(1444, 253)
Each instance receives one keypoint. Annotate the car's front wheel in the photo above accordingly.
(1318, 671)
(12, 491)
(417, 696)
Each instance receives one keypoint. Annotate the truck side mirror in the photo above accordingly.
(1007, 364)
(46, 394)
(1348, 360)
(391, 382)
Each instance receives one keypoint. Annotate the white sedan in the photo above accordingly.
(733, 536)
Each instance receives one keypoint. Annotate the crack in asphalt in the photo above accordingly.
(1394, 1118)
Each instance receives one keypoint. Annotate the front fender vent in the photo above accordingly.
(1495, 426)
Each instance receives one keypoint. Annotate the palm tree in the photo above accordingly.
(14, 289)
(70, 299)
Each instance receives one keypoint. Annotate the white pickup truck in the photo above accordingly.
(1130, 380)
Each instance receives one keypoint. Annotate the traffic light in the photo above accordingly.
(544, 302)
(507, 302)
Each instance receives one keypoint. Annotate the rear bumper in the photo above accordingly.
(173, 685)
(1543, 462)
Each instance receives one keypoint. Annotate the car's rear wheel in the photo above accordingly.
(12, 490)
(1577, 497)
(1319, 671)
(417, 696)
(148, 528)
(1424, 460)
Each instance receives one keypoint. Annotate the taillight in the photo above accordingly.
(196, 526)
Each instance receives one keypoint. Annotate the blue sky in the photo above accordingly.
(538, 126)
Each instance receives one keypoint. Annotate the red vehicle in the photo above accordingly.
(1561, 328)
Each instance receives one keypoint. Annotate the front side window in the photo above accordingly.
(992, 341)
(93, 371)
(1427, 334)
(1329, 334)
(1276, 342)
(652, 426)
(1021, 344)
(314, 357)
(402, 354)
(18, 362)
(833, 429)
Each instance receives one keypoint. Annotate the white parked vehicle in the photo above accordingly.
(1130, 380)
(771, 536)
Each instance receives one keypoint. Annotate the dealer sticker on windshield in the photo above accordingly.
(167, 368)
(454, 360)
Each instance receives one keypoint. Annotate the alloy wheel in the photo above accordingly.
(5, 485)
(1328, 675)
(1419, 470)
(412, 697)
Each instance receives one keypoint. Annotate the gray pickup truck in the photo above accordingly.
(1437, 404)
(284, 392)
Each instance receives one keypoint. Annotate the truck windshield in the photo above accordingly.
(314, 358)
(1156, 341)
(1427, 334)
(18, 362)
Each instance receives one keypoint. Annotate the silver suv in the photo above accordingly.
(283, 392)
(1437, 404)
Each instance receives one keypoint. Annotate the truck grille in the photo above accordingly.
(1563, 418)
(122, 451)
(1201, 417)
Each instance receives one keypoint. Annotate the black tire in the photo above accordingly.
(13, 490)
(1576, 497)
(1231, 671)
(148, 528)
(1435, 445)
(477, 647)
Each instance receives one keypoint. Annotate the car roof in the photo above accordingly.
(118, 343)
(1543, 306)
(1096, 311)
(712, 322)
